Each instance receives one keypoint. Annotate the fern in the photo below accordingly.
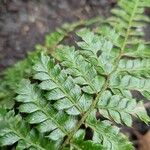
(23, 69)
(13, 130)
(67, 94)
(41, 112)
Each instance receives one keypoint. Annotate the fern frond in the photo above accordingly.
(135, 67)
(139, 51)
(119, 108)
(12, 76)
(107, 134)
(98, 50)
(53, 39)
(40, 112)
(128, 82)
(130, 19)
(66, 94)
(78, 142)
(15, 130)
(23, 69)
(105, 53)
(83, 71)
(61, 87)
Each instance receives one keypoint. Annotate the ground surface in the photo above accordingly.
(24, 23)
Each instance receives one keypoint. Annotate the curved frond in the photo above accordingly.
(83, 71)
(107, 134)
(128, 82)
(130, 12)
(60, 87)
(135, 67)
(119, 108)
(78, 142)
(98, 50)
(40, 112)
(15, 130)
(65, 96)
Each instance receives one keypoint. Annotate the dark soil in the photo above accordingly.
(24, 23)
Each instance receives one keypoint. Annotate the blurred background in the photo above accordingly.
(24, 23)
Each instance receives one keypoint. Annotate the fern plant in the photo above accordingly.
(23, 69)
(76, 99)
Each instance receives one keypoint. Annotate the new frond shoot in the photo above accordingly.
(83, 89)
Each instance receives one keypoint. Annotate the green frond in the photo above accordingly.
(130, 12)
(107, 134)
(15, 130)
(82, 70)
(60, 98)
(135, 67)
(41, 113)
(128, 82)
(12, 76)
(23, 69)
(53, 39)
(110, 34)
(139, 51)
(120, 109)
(78, 142)
(60, 87)
(98, 50)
